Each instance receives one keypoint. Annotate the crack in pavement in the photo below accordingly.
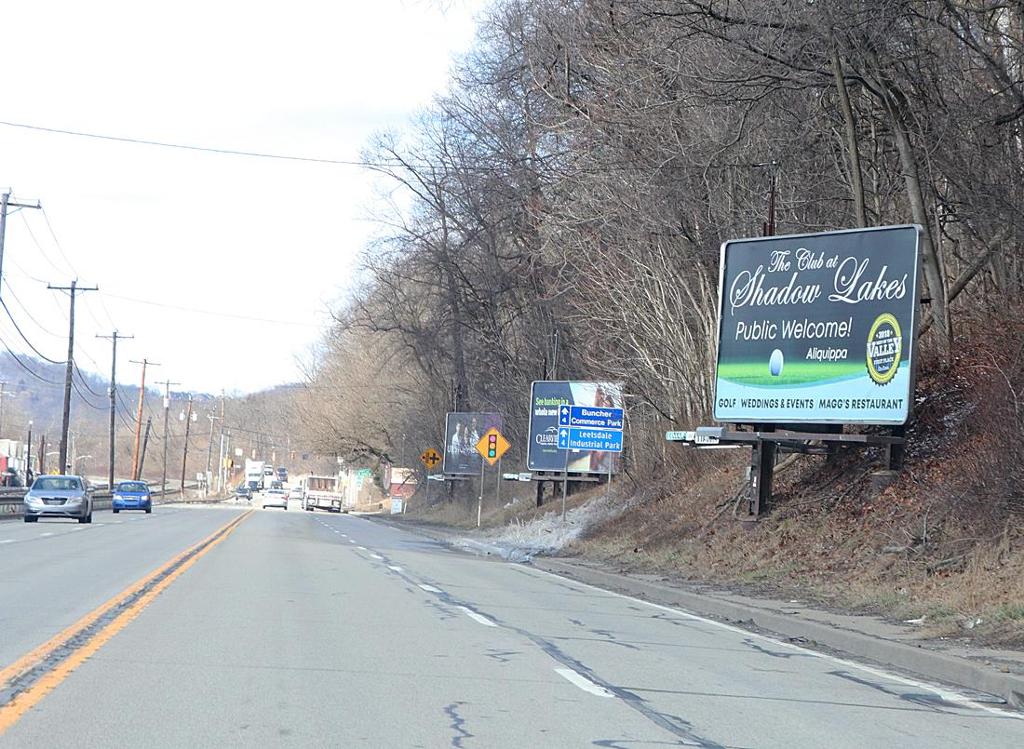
(674, 724)
(457, 725)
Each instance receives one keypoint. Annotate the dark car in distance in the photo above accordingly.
(243, 492)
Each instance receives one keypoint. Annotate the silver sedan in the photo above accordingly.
(59, 497)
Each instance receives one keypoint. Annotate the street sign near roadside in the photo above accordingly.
(598, 440)
(492, 446)
(594, 417)
(430, 458)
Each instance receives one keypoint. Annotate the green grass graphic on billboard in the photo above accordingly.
(818, 328)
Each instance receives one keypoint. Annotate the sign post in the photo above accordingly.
(594, 428)
(491, 447)
(430, 458)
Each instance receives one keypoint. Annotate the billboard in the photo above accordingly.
(462, 430)
(546, 398)
(818, 328)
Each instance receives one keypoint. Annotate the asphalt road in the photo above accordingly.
(321, 630)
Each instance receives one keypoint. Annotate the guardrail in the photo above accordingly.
(12, 503)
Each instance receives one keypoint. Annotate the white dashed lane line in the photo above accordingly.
(478, 618)
(429, 588)
(376, 556)
(7, 541)
(392, 567)
(44, 535)
(583, 682)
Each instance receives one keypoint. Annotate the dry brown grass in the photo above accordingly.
(945, 541)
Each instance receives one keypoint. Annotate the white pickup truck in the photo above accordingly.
(321, 493)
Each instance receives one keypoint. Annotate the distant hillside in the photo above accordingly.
(34, 390)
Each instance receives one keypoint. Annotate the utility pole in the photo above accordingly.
(167, 435)
(5, 203)
(73, 289)
(184, 455)
(113, 403)
(145, 442)
(3, 384)
(138, 418)
(28, 456)
(209, 451)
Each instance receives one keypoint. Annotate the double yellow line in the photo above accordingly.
(143, 592)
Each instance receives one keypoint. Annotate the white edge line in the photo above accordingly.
(582, 682)
(943, 693)
(478, 618)
(429, 588)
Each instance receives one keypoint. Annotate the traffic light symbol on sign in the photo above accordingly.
(492, 446)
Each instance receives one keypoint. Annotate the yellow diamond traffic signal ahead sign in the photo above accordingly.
(430, 458)
(492, 446)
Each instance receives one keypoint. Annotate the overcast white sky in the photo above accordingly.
(242, 237)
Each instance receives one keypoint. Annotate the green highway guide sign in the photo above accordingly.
(818, 328)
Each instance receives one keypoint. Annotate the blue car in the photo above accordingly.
(132, 495)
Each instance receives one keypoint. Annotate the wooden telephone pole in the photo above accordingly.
(138, 419)
(72, 290)
(113, 337)
(184, 455)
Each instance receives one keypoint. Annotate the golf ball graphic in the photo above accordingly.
(775, 363)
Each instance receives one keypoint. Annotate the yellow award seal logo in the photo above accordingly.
(885, 345)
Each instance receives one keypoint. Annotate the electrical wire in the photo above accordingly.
(25, 366)
(81, 379)
(56, 241)
(21, 305)
(211, 313)
(38, 353)
(35, 241)
(85, 400)
(187, 147)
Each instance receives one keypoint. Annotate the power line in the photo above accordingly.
(21, 304)
(25, 338)
(85, 400)
(25, 366)
(56, 241)
(81, 379)
(35, 241)
(211, 313)
(188, 147)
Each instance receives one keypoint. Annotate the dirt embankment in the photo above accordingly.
(944, 543)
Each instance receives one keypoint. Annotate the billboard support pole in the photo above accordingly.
(565, 486)
(762, 470)
(896, 450)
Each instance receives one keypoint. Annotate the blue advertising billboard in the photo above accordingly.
(548, 398)
(818, 328)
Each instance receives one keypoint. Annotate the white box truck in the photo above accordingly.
(321, 493)
(254, 470)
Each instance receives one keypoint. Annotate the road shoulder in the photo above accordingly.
(988, 672)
